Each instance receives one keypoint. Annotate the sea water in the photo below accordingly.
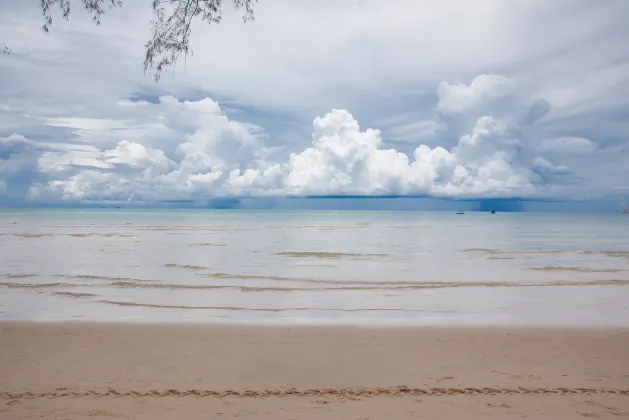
(314, 267)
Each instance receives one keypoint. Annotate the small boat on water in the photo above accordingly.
(493, 211)
(459, 212)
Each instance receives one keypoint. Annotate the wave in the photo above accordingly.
(343, 286)
(20, 276)
(578, 269)
(192, 228)
(324, 227)
(104, 235)
(97, 278)
(87, 277)
(237, 276)
(333, 255)
(360, 226)
(315, 265)
(73, 235)
(12, 285)
(412, 284)
(28, 235)
(75, 295)
(237, 308)
(186, 267)
(441, 285)
(620, 254)
(522, 251)
(205, 244)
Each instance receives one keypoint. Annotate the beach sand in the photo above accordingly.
(150, 371)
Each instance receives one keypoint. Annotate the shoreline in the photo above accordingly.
(350, 325)
(168, 370)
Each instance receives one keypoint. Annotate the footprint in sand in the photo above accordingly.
(592, 415)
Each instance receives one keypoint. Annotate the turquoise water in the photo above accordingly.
(314, 267)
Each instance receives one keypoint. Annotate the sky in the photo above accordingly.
(455, 101)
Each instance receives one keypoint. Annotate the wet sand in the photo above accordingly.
(157, 371)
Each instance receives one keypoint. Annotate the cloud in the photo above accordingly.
(18, 164)
(481, 111)
(422, 130)
(60, 161)
(85, 124)
(345, 160)
(545, 166)
(214, 155)
(568, 145)
(484, 91)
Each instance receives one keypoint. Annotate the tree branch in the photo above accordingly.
(171, 35)
(96, 8)
(171, 25)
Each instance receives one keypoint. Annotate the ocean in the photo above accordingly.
(314, 267)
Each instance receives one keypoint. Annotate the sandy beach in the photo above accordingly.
(155, 371)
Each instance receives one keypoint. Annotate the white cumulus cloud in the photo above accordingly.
(217, 156)
(180, 150)
(485, 90)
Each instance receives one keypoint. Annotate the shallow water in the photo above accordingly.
(314, 267)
